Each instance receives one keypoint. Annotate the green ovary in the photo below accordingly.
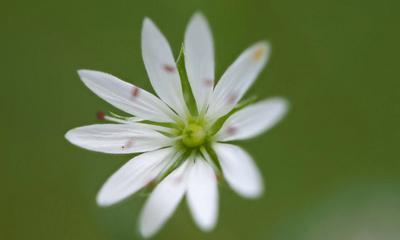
(193, 135)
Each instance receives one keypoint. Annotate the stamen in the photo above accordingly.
(100, 115)
(177, 138)
(133, 120)
(113, 119)
(135, 92)
(169, 68)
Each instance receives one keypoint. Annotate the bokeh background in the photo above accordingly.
(331, 168)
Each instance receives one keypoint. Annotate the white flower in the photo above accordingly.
(182, 134)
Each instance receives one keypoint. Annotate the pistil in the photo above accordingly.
(193, 135)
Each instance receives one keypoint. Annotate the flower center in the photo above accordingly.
(193, 135)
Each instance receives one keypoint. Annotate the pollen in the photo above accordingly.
(128, 144)
(169, 68)
(208, 83)
(232, 99)
(135, 92)
(231, 130)
(258, 53)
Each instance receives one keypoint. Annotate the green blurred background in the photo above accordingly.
(331, 167)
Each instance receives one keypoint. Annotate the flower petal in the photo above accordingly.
(202, 194)
(126, 96)
(117, 138)
(163, 201)
(133, 176)
(161, 68)
(253, 120)
(237, 79)
(239, 170)
(199, 58)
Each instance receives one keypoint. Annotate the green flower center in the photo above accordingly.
(193, 135)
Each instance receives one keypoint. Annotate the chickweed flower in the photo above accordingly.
(182, 134)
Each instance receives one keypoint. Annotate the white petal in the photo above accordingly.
(202, 194)
(133, 176)
(239, 170)
(161, 68)
(126, 96)
(117, 138)
(199, 58)
(253, 120)
(163, 201)
(237, 79)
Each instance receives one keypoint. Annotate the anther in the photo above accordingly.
(100, 115)
(208, 83)
(135, 91)
(169, 68)
(231, 130)
(178, 179)
(258, 54)
(232, 99)
(129, 144)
